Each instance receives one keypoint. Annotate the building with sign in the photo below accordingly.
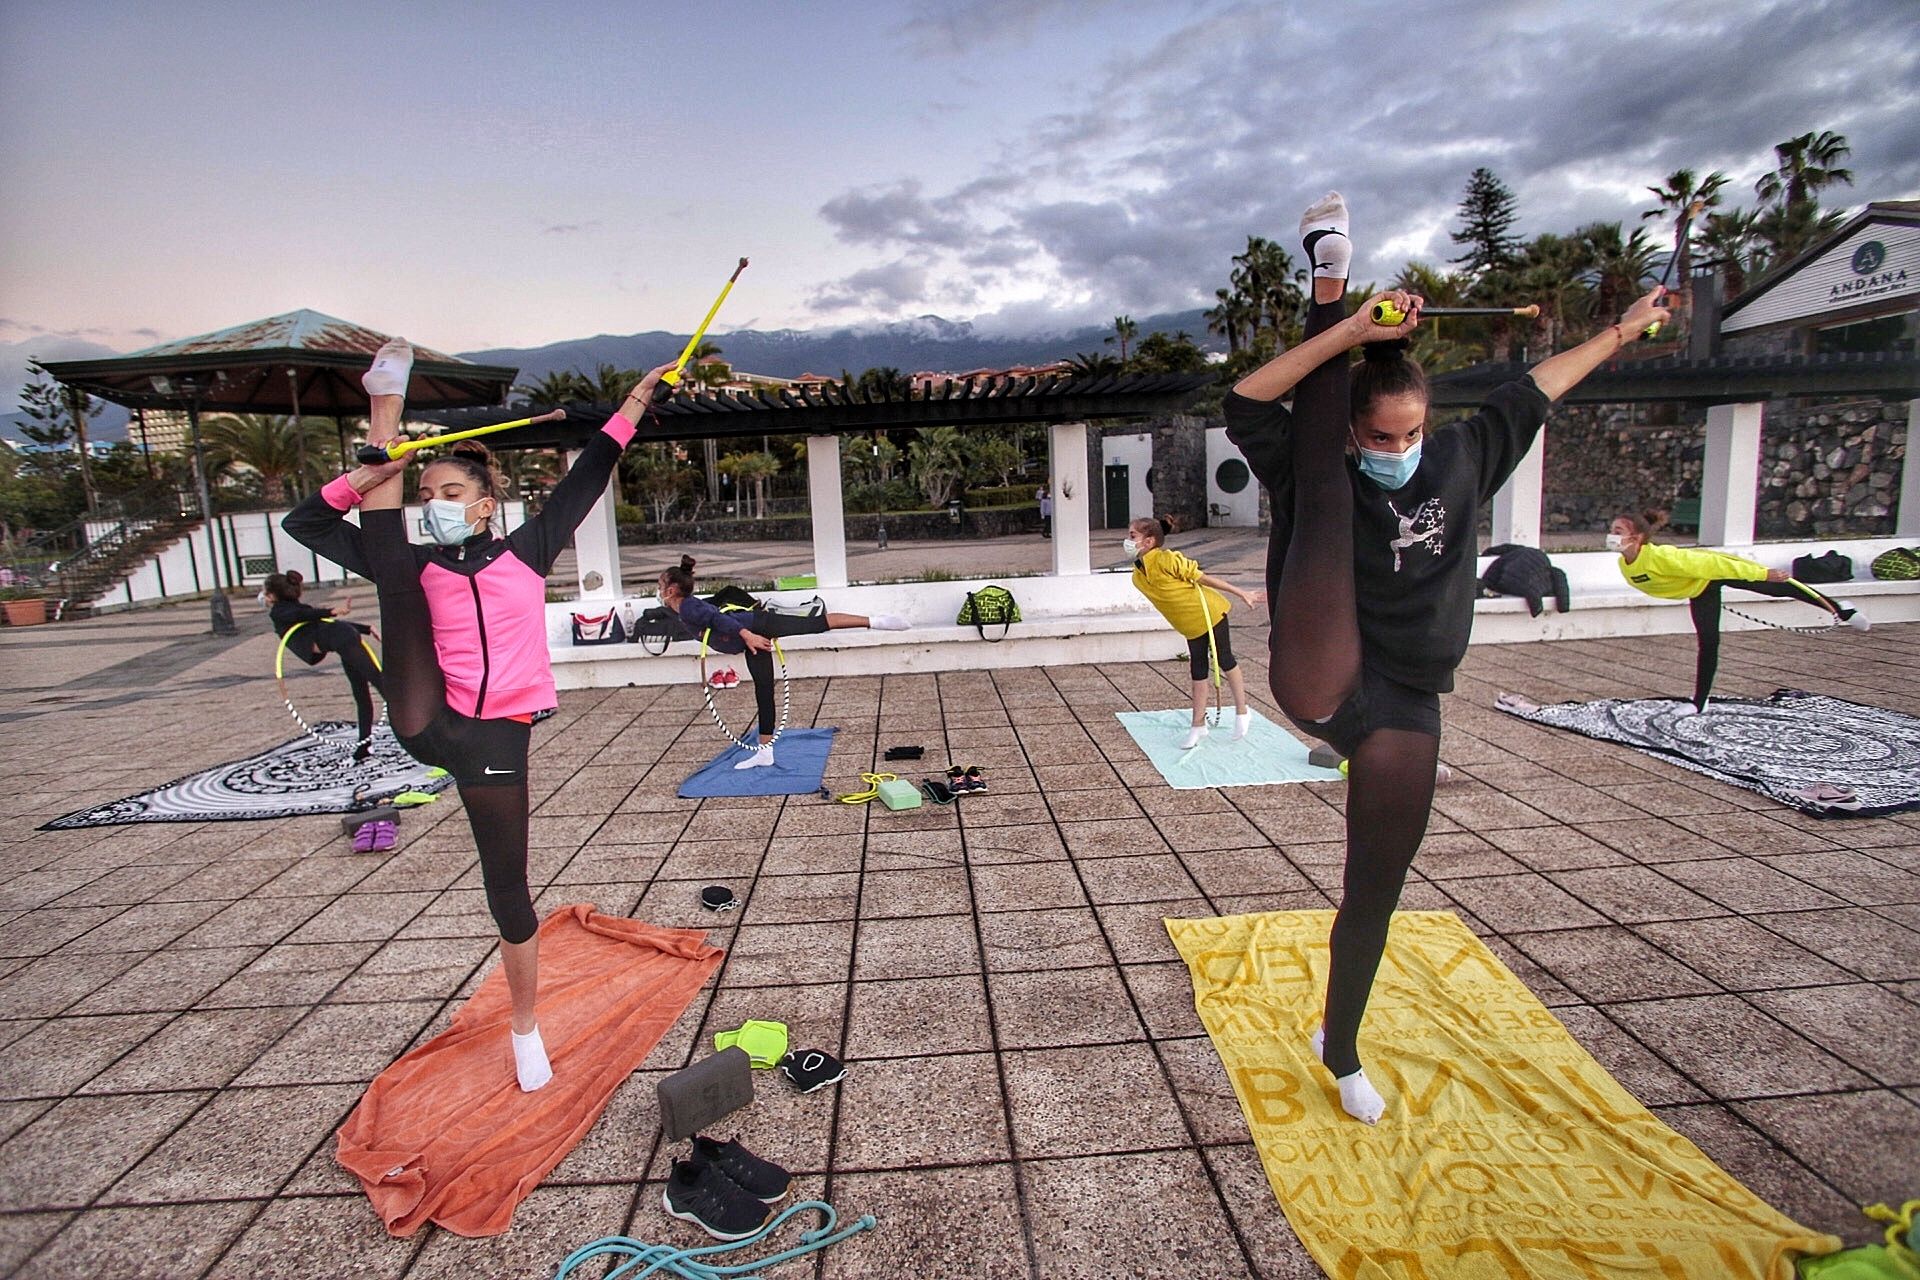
(1858, 290)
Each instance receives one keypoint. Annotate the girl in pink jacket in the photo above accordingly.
(464, 625)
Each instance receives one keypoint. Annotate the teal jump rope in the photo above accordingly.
(663, 1260)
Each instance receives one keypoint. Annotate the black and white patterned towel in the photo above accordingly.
(1822, 755)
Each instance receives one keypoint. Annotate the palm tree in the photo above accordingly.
(755, 469)
(1550, 274)
(1733, 241)
(565, 387)
(1804, 165)
(1620, 264)
(1265, 273)
(1124, 329)
(1092, 364)
(267, 445)
(1792, 229)
(937, 461)
(1237, 317)
(1685, 201)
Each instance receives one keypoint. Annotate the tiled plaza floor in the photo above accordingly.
(187, 1012)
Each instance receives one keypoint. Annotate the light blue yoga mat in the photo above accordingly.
(1267, 755)
(799, 763)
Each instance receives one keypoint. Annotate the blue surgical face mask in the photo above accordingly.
(446, 522)
(1387, 469)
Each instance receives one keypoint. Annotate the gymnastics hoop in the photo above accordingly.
(786, 699)
(280, 680)
(1818, 629)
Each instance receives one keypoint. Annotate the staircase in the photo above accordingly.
(75, 569)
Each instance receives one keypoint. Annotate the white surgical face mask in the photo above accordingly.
(1615, 542)
(446, 521)
(1387, 469)
(1131, 546)
(262, 598)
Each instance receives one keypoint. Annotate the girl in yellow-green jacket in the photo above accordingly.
(1698, 576)
(1194, 604)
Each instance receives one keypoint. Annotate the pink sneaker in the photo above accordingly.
(385, 836)
(363, 837)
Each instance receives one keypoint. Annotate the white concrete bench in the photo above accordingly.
(1078, 618)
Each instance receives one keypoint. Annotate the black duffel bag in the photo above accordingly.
(1831, 567)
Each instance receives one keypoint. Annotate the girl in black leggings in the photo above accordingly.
(752, 633)
(463, 618)
(322, 634)
(1371, 576)
(1698, 576)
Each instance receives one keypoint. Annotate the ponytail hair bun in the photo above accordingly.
(1166, 525)
(1391, 349)
(1645, 523)
(294, 577)
(1386, 373)
(686, 563)
(680, 575)
(1655, 518)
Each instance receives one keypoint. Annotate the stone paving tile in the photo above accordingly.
(1020, 941)
(891, 1017)
(547, 1225)
(281, 1243)
(1060, 1108)
(938, 1222)
(1864, 1172)
(140, 1244)
(907, 1112)
(1733, 1049)
(916, 947)
(59, 1055)
(1854, 939)
(1070, 1006)
(78, 1147)
(1127, 1215)
(1610, 963)
(1864, 1025)
(1764, 1168)
(244, 1143)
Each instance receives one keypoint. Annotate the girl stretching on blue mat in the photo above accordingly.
(1698, 576)
(1192, 602)
(322, 632)
(752, 632)
(1371, 574)
(463, 619)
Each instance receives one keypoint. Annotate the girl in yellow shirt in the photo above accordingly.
(1698, 576)
(1193, 603)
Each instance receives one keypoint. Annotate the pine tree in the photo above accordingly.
(1487, 216)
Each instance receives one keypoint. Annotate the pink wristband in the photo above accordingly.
(620, 429)
(340, 495)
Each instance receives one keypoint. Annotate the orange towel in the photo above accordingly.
(445, 1133)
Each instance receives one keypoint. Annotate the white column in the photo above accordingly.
(596, 543)
(1907, 514)
(1730, 475)
(1072, 507)
(829, 511)
(1516, 507)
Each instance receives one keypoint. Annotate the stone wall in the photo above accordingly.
(985, 522)
(1825, 469)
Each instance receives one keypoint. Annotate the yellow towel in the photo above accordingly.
(1506, 1153)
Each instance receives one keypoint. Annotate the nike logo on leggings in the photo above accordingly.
(490, 770)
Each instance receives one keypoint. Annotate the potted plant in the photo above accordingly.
(23, 606)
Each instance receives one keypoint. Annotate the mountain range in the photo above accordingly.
(921, 343)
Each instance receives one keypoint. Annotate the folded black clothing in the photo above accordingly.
(905, 753)
(810, 1069)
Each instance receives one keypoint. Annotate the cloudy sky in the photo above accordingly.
(478, 175)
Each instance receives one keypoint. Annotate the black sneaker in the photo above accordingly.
(703, 1195)
(762, 1179)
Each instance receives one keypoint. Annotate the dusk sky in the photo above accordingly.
(509, 175)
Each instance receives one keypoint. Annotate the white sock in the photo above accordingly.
(760, 759)
(1242, 722)
(392, 366)
(1358, 1097)
(1442, 775)
(1193, 737)
(889, 622)
(530, 1060)
(1323, 230)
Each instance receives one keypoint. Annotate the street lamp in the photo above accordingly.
(187, 390)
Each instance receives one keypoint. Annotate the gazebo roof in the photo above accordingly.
(1721, 380)
(830, 410)
(244, 370)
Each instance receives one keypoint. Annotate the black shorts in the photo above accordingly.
(1379, 703)
(478, 753)
(1197, 664)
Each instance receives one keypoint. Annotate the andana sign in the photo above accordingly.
(1880, 261)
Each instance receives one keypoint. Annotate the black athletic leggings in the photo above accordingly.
(488, 758)
(363, 674)
(1200, 662)
(760, 665)
(1315, 667)
(1706, 622)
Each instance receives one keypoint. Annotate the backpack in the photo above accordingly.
(1831, 567)
(732, 597)
(1901, 564)
(989, 607)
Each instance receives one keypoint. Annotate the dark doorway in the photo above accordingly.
(1119, 488)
